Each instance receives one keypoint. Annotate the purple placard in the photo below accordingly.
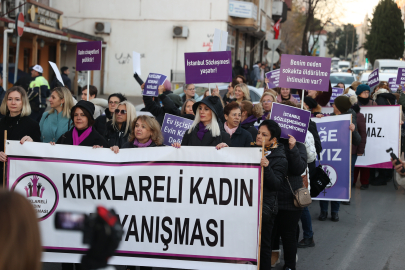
(392, 84)
(88, 56)
(335, 158)
(292, 121)
(373, 78)
(305, 72)
(401, 76)
(297, 97)
(173, 128)
(208, 67)
(152, 84)
(336, 91)
(273, 77)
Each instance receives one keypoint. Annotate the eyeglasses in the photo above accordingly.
(267, 101)
(120, 111)
(192, 89)
(114, 102)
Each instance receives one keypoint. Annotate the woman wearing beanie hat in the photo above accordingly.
(363, 95)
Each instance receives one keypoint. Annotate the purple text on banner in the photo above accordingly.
(305, 72)
(173, 128)
(335, 158)
(88, 56)
(297, 97)
(401, 76)
(273, 77)
(392, 84)
(336, 91)
(152, 84)
(208, 67)
(292, 121)
(373, 78)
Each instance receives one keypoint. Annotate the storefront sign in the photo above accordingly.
(242, 9)
(88, 56)
(43, 16)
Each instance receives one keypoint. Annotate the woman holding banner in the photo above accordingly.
(118, 129)
(239, 136)
(242, 92)
(101, 122)
(250, 114)
(267, 100)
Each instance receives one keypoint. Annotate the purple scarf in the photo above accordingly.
(202, 130)
(138, 144)
(77, 140)
(265, 115)
(250, 119)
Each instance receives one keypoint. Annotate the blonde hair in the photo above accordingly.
(65, 94)
(245, 90)
(26, 107)
(213, 126)
(183, 108)
(131, 114)
(353, 85)
(152, 124)
(268, 94)
(256, 110)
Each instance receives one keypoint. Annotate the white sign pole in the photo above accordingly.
(17, 54)
(88, 84)
(302, 99)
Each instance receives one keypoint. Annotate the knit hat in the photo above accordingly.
(167, 85)
(361, 88)
(311, 103)
(212, 102)
(343, 103)
(84, 104)
(273, 127)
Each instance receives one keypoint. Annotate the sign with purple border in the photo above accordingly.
(273, 77)
(392, 84)
(336, 91)
(335, 156)
(305, 72)
(208, 67)
(292, 121)
(401, 76)
(373, 78)
(152, 84)
(173, 128)
(88, 56)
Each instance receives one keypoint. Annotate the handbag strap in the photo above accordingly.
(290, 185)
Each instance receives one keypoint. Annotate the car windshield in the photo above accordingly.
(344, 79)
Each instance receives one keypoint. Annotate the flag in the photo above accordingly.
(276, 28)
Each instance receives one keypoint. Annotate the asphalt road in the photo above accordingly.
(370, 234)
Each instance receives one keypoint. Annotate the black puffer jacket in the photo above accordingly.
(159, 112)
(191, 139)
(100, 124)
(114, 136)
(385, 99)
(314, 130)
(251, 128)
(241, 138)
(297, 164)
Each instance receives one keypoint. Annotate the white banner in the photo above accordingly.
(383, 132)
(192, 208)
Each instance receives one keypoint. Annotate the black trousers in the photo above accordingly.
(266, 246)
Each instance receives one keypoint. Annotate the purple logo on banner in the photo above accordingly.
(336, 91)
(152, 84)
(392, 84)
(305, 72)
(208, 67)
(292, 121)
(273, 77)
(88, 56)
(401, 76)
(173, 128)
(297, 97)
(373, 78)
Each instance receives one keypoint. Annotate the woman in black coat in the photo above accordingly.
(239, 136)
(205, 130)
(19, 125)
(250, 114)
(101, 122)
(275, 170)
(118, 129)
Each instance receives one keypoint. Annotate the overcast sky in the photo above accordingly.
(356, 10)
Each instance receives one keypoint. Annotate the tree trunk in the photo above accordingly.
(304, 45)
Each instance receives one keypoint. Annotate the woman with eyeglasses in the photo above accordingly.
(189, 92)
(267, 103)
(101, 122)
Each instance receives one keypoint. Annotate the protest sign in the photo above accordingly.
(392, 84)
(401, 76)
(292, 121)
(136, 62)
(373, 78)
(152, 84)
(305, 72)
(88, 56)
(336, 91)
(297, 97)
(335, 156)
(273, 77)
(208, 67)
(173, 128)
(57, 73)
(179, 209)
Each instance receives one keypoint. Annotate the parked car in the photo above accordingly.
(255, 93)
(385, 65)
(343, 66)
(357, 71)
(344, 77)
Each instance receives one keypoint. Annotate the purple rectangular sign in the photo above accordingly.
(305, 72)
(336, 91)
(88, 56)
(392, 84)
(401, 76)
(208, 67)
(297, 97)
(173, 128)
(273, 77)
(292, 121)
(373, 78)
(152, 84)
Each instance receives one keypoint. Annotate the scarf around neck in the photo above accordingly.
(250, 119)
(138, 144)
(229, 130)
(77, 140)
(264, 117)
(363, 101)
(201, 131)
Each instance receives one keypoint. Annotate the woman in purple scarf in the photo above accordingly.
(250, 114)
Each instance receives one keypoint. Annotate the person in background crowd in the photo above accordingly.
(20, 127)
(250, 114)
(349, 70)
(238, 69)
(239, 136)
(351, 90)
(241, 92)
(262, 67)
(100, 104)
(83, 133)
(56, 121)
(285, 94)
(255, 74)
(382, 84)
(187, 109)
(20, 236)
(2, 92)
(118, 129)
(205, 130)
(321, 97)
(64, 71)
(240, 79)
(24, 81)
(100, 124)
(383, 95)
(312, 105)
(267, 100)
(363, 95)
(341, 85)
(275, 170)
(246, 74)
(189, 92)
(230, 95)
(38, 91)
(168, 87)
